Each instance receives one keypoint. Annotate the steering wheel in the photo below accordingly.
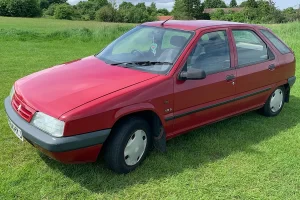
(137, 53)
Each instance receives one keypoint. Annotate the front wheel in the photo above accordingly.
(275, 103)
(128, 145)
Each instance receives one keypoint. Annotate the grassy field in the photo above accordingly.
(245, 157)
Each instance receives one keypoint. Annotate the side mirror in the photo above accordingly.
(192, 74)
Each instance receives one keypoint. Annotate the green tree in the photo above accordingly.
(188, 5)
(152, 10)
(265, 9)
(23, 8)
(269, 13)
(125, 5)
(179, 10)
(57, 1)
(86, 9)
(163, 11)
(219, 14)
(139, 14)
(50, 10)
(44, 4)
(251, 4)
(99, 3)
(3, 8)
(142, 6)
(63, 11)
(243, 4)
(198, 8)
(105, 14)
(214, 4)
(233, 3)
(124, 13)
(290, 14)
(188, 9)
(238, 17)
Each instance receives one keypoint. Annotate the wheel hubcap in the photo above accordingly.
(135, 147)
(276, 100)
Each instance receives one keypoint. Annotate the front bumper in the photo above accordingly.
(73, 149)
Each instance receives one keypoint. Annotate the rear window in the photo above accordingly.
(276, 42)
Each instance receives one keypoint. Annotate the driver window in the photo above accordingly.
(211, 54)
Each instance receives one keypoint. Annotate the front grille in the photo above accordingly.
(22, 109)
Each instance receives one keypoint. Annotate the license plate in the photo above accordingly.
(16, 130)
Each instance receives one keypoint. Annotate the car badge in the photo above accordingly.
(19, 107)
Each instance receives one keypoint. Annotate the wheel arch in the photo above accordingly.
(141, 109)
(147, 112)
(286, 84)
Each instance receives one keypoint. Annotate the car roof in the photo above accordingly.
(193, 24)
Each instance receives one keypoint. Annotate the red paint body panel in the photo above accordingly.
(84, 155)
(191, 24)
(102, 113)
(62, 88)
(90, 95)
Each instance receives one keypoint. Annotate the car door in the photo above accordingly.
(255, 67)
(197, 102)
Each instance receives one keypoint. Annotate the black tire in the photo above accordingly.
(267, 110)
(114, 155)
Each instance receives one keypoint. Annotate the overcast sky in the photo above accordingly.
(169, 3)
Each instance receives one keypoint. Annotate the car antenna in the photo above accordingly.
(162, 24)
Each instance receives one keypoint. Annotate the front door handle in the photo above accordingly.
(272, 67)
(230, 77)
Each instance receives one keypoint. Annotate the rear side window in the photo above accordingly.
(250, 48)
(276, 42)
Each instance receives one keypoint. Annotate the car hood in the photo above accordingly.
(62, 88)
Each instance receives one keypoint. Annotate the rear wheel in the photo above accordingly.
(128, 146)
(275, 103)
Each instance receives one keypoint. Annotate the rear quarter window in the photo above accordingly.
(282, 48)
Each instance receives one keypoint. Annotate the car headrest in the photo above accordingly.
(178, 41)
(214, 36)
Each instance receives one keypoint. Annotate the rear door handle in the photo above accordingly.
(272, 67)
(230, 77)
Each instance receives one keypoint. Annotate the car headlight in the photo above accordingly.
(12, 93)
(48, 124)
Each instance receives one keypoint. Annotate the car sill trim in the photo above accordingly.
(216, 105)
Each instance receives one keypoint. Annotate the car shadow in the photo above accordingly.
(190, 151)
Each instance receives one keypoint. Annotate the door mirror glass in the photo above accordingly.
(192, 74)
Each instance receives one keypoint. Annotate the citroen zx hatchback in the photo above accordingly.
(155, 82)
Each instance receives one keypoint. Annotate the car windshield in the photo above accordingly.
(147, 48)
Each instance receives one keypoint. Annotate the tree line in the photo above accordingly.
(252, 11)
(257, 11)
(100, 10)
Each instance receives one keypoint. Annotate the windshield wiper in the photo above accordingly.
(147, 63)
(143, 63)
(122, 63)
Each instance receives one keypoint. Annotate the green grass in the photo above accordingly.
(245, 157)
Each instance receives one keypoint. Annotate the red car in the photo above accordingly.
(155, 82)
